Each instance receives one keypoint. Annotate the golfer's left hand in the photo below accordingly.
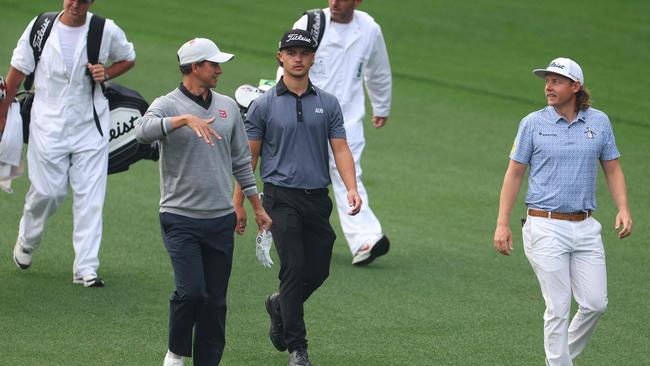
(379, 122)
(354, 202)
(242, 217)
(98, 71)
(624, 222)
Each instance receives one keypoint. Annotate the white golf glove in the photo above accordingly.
(263, 248)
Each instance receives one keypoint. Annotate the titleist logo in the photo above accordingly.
(125, 128)
(559, 66)
(297, 37)
(40, 33)
(316, 30)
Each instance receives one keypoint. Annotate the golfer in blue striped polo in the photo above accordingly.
(563, 144)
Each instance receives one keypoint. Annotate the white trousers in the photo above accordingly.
(568, 258)
(363, 227)
(49, 174)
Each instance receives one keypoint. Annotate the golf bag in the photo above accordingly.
(3, 89)
(126, 105)
(244, 96)
(246, 93)
(316, 24)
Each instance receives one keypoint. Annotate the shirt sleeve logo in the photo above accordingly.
(589, 133)
(222, 113)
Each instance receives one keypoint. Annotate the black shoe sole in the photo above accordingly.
(381, 247)
(278, 344)
(97, 283)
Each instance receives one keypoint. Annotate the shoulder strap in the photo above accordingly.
(95, 32)
(37, 38)
(316, 24)
(93, 44)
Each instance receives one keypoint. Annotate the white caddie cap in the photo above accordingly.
(565, 67)
(201, 49)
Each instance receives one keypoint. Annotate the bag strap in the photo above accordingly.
(95, 32)
(316, 24)
(37, 37)
(39, 34)
(93, 44)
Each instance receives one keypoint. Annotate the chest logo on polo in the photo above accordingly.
(589, 133)
(548, 134)
(319, 110)
(222, 113)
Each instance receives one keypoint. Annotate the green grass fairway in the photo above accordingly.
(442, 296)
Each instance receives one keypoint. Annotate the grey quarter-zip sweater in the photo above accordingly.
(195, 177)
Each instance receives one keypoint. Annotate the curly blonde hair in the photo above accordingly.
(583, 99)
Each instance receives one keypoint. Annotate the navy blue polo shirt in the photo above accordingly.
(295, 132)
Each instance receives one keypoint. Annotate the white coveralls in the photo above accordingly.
(64, 143)
(341, 67)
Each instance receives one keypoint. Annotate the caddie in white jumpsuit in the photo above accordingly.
(563, 144)
(65, 146)
(353, 53)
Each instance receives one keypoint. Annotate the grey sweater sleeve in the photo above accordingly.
(156, 122)
(242, 168)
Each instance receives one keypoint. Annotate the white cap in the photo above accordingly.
(565, 67)
(201, 49)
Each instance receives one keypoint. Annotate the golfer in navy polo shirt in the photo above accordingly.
(563, 144)
(289, 128)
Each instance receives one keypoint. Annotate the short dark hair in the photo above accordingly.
(187, 68)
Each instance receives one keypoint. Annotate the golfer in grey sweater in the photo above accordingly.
(203, 144)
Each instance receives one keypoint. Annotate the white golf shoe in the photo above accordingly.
(172, 359)
(362, 254)
(22, 256)
(90, 280)
(370, 251)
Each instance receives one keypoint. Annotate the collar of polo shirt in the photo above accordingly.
(281, 88)
(556, 117)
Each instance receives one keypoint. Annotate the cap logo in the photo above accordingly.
(298, 37)
(559, 66)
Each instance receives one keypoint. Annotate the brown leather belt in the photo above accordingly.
(569, 216)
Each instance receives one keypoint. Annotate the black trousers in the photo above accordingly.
(304, 239)
(201, 252)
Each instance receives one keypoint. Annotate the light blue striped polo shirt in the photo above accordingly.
(563, 158)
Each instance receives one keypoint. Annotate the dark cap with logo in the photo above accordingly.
(297, 38)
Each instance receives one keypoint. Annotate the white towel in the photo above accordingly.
(11, 148)
(8, 173)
